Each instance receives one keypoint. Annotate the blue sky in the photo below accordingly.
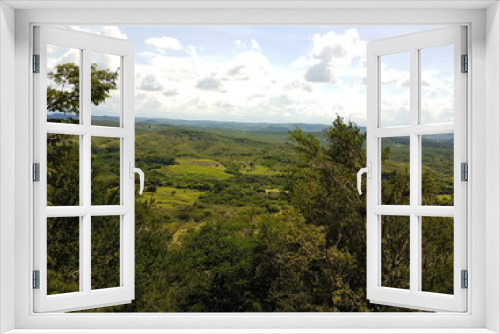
(281, 44)
(277, 74)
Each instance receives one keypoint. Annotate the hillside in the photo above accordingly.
(270, 220)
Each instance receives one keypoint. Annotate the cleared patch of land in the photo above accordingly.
(174, 198)
(198, 162)
(202, 168)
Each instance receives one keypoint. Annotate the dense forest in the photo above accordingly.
(249, 221)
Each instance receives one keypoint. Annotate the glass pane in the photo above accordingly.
(437, 169)
(105, 85)
(63, 84)
(105, 171)
(437, 254)
(105, 252)
(395, 90)
(63, 170)
(437, 84)
(63, 255)
(396, 252)
(395, 169)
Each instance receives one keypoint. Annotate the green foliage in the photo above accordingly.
(105, 234)
(322, 187)
(231, 223)
(63, 91)
(105, 185)
(437, 254)
(63, 271)
(198, 172)
(63, 170)
(395, 252)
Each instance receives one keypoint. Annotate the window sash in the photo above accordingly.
(414, 298)
(85, 298)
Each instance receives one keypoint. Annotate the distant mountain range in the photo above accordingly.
(241, 126)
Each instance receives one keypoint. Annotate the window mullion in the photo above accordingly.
(86, 165)
(415, 267)
(82, 182)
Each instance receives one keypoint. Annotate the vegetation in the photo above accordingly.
(235, 221)
(63, 91)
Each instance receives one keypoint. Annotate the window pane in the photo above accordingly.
(105, 252)
(437, 84)
(437, 254)
(105, 171)
(395, 169)
(396, 252)
(63, 84)
(63, 170)
(105, 85)
(395, 90)
(63, 255)
(437, 169)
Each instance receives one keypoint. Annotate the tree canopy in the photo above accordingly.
(63, 91)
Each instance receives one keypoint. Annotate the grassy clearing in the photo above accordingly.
(174, 198)
(204, 172)
(199, 162)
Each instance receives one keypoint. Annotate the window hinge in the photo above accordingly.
(465, 279)
(36, 63)
(36, 172)
(464, 171)
(465, 64)
(36, 279)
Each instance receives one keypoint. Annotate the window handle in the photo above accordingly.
(368, 171)
(134, 170)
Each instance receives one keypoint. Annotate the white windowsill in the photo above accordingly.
(252, 331)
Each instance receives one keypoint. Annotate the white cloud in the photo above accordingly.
(299, 86)
(110, 31)
(245, 87)
(252, 44)
(255, 45)
(209, 83)
(245, 84)
(331, 56)
(113, 31)
(164, 43)
(150, 82)
(320, 72)
(170, 92)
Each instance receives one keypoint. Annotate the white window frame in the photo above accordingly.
(414, 296)
(85, 298)
(483, 315)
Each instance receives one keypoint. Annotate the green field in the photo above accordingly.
(201, 172)
(173, 198)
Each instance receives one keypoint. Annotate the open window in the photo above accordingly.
(84, 208)
(404, 232)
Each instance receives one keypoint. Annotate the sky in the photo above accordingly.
(274, 74)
